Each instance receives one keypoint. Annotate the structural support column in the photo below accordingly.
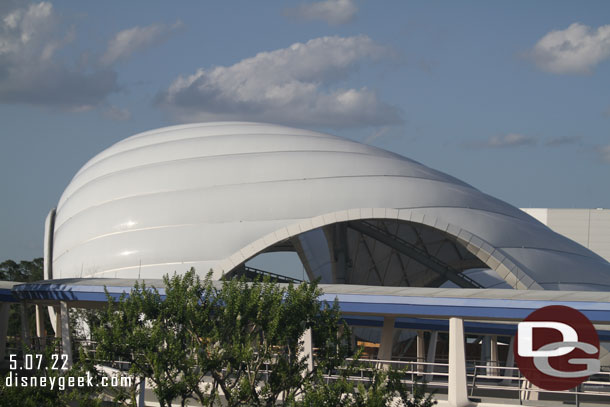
(307, 351)
(66, 343)
(142, 394)
(420, 350)
(340, 252)
(4, 314)
(47, 265)
(510, 355)
(485, 352)
(431, 357)
(458, 389)
(387, 340)
(296, 243)
(510, 362)
(25, 325)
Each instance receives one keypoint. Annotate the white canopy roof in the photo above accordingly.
(212, 195)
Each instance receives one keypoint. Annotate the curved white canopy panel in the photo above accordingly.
(213, 195)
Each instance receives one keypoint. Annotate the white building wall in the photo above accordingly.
(588, 227)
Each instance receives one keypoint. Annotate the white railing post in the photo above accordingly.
(421, 343)
(494, 362)
(40, 321)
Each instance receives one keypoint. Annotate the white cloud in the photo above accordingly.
(333, 12)
(604, 152)
(505, 141)
(22, 27)
(292, 85)
(31, 73)
(134, 39)
(116, 113)
(575, 50)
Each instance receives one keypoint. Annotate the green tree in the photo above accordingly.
(380, 387)
(238, 343)
(244, 338)
(155, 336)
(25, 271)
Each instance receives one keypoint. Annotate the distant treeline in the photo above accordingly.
(24, 271)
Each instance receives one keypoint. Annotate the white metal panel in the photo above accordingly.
(573, 223)
(540, 214)
(246, 169)
(588, 227)
(599, 235)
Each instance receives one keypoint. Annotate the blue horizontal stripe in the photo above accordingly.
(442, 325)
(65, 292)
(469, 302)
(443, 307)
(7, 296)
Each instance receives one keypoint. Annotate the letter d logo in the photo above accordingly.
(526, 338)
(557, 348)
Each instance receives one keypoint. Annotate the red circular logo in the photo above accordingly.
(557, 348)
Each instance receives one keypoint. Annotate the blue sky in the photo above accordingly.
(511, 97)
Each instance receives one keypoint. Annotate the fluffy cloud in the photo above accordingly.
(575, 50)
(604, 152)
(331, 11)
(504, 141)
(29, 70)
(126, 42)
(291, 85)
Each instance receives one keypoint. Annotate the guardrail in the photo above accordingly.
(252, 272)
(483, 377)
(489, 377)
(434, 374)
